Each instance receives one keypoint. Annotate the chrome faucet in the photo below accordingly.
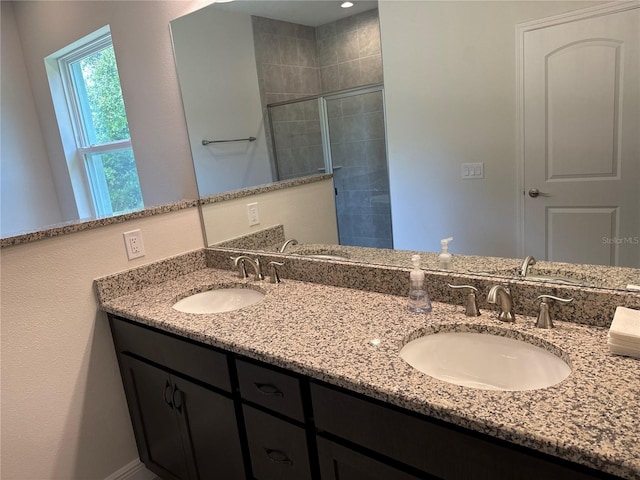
(243, 260)
(501, 296)
(291, 241)
(526, 263)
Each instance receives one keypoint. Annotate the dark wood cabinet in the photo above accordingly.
(202, 413)
(184, 429)
(278, 449)
(341, 463)
(156, 424)
(426, 445)
(276, 391)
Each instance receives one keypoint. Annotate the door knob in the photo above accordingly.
(534, 192)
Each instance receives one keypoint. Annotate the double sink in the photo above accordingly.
(471, 359)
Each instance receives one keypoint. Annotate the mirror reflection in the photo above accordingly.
(310, 94)
(477, 150)
(82, 114)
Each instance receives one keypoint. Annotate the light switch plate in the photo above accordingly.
(472, 170)
(254, 215)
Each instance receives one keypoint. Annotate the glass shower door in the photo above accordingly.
(359, 159)
(297, 139)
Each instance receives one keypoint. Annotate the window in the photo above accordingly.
(89, 78)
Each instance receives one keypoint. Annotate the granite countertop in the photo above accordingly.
(591, 418)
(581, 274)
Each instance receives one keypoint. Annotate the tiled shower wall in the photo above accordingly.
(358, 151)
(349, 52)
(298, 139)
(286, 59)
(296, 61)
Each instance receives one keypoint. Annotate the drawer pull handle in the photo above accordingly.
(177, 404)
(268, 389)
(167, 398)
(279, 457)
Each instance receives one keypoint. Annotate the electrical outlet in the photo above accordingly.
(133, 243)
(254, 216)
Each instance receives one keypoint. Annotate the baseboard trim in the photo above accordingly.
(132, 471)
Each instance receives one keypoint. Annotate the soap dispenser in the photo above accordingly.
(445, 260)
(419, 301)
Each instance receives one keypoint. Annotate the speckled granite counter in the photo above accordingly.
(582, 274)
(591, 418)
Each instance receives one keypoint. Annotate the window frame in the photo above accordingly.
(91, 170)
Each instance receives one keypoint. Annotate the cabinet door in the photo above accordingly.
(209, 431)
(340, 463)
(149, 393)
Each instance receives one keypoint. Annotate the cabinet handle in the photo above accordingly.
(268, 389)
(167, 400)
(279, 457)
(177, 403)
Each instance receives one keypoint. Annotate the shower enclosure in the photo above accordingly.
(341, 133)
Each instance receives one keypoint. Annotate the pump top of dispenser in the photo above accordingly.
(445, 244)
(444, 259)
(417, 274)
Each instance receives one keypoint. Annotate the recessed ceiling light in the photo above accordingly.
(347, 4)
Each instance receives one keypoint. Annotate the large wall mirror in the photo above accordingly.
(507, 126)
(47, 181)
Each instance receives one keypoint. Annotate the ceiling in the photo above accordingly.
(304, 12)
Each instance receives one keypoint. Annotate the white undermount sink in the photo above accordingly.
(219, 300)
(485, 361)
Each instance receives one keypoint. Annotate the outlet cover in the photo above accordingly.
(133, 243)
(254, 215)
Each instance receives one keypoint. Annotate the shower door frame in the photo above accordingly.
(322, 99)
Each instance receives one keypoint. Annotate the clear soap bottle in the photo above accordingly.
(419, 301)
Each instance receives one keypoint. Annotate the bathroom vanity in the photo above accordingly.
(308, 383)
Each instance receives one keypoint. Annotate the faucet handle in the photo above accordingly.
(471, 300)
(544, 317)
(274, 277)
(243, 267)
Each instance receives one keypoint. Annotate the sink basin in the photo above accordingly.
(219, 300)
(485, 361)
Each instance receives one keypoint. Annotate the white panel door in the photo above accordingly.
(582, 140)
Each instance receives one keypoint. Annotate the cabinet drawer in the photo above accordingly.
(340, 463)
(196, 361)
(271, 389)
(277, 448)
(430, 446)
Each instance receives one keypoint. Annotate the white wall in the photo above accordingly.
(307, 213)
(450, 93)
(64, 413)
(63, 409)
(25, 172)
(215, 53)
(142, 42)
